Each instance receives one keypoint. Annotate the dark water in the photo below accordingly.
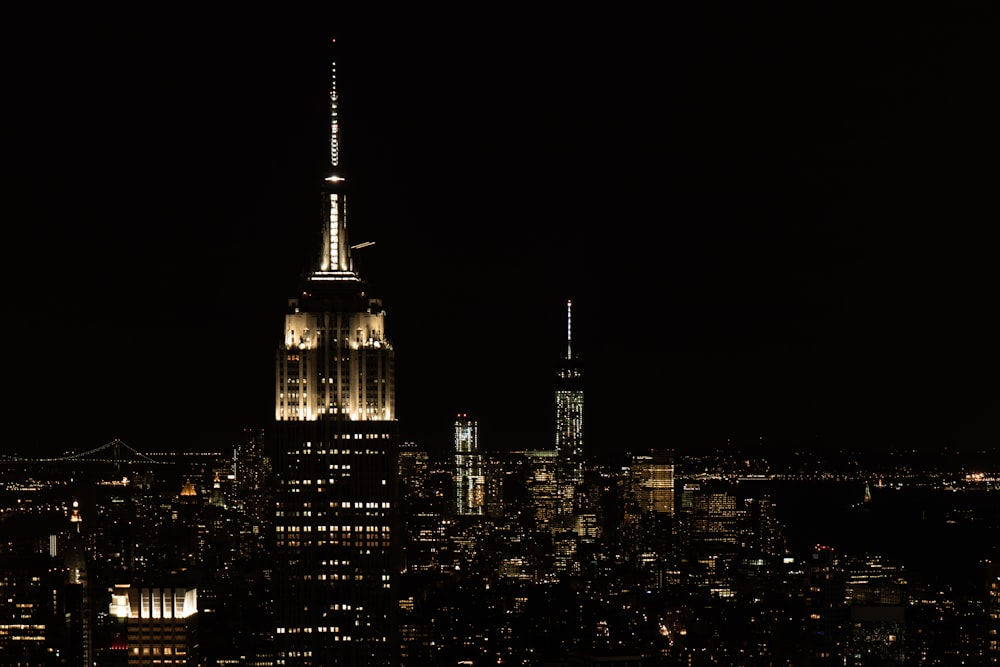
(946, 537)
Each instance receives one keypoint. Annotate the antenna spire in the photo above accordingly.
(335, 262)
(334, 124)
(569, 329)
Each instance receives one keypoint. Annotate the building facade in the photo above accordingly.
(336, 527)
(652, 481)
(992, 643)
(162, 624)
(470, 484)
(541, 488)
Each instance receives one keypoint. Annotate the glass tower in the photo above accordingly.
(470, 484)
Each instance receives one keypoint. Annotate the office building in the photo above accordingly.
(45, 615)
(992, 644)
(470, 484)
(652, 481)
(31, 592)
(336, 537)
(252, 495)
(541, 488)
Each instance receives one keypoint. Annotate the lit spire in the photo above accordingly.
(335, 261)
(334, 125)
(74, 516)
(569, 329)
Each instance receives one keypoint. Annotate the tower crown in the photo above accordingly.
(335, 263)
(335, 361)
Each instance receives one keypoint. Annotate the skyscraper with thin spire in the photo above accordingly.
(569, 423)
(336, 536)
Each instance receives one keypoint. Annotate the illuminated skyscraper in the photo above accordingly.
(541, 487)
(470, 484)
(569, 424)
(336, 436)
(652, 481)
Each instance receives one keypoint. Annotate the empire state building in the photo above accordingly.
(336, 538)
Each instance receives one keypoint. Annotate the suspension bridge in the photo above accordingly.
(115, 452)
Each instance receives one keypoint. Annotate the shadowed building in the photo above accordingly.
(992, 644)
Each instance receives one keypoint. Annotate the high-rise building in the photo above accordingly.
(252, 494)
(76, 591)
(652, 481)
(470, 484)
(569, 424)
(992, 644)
(541, 488)
(31, 607)
(336, 538)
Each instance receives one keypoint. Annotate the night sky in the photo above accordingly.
(773, 224)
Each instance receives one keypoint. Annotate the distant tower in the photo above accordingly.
(652, 481)
(76, 595)
(541, 487)
(252, 492)
(569, 423)
(336, 525)
(470, 484)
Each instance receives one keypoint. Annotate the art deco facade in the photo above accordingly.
(335, 527)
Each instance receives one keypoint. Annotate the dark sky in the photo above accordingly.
(773, 223)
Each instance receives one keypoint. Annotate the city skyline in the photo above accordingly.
(768, 225)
